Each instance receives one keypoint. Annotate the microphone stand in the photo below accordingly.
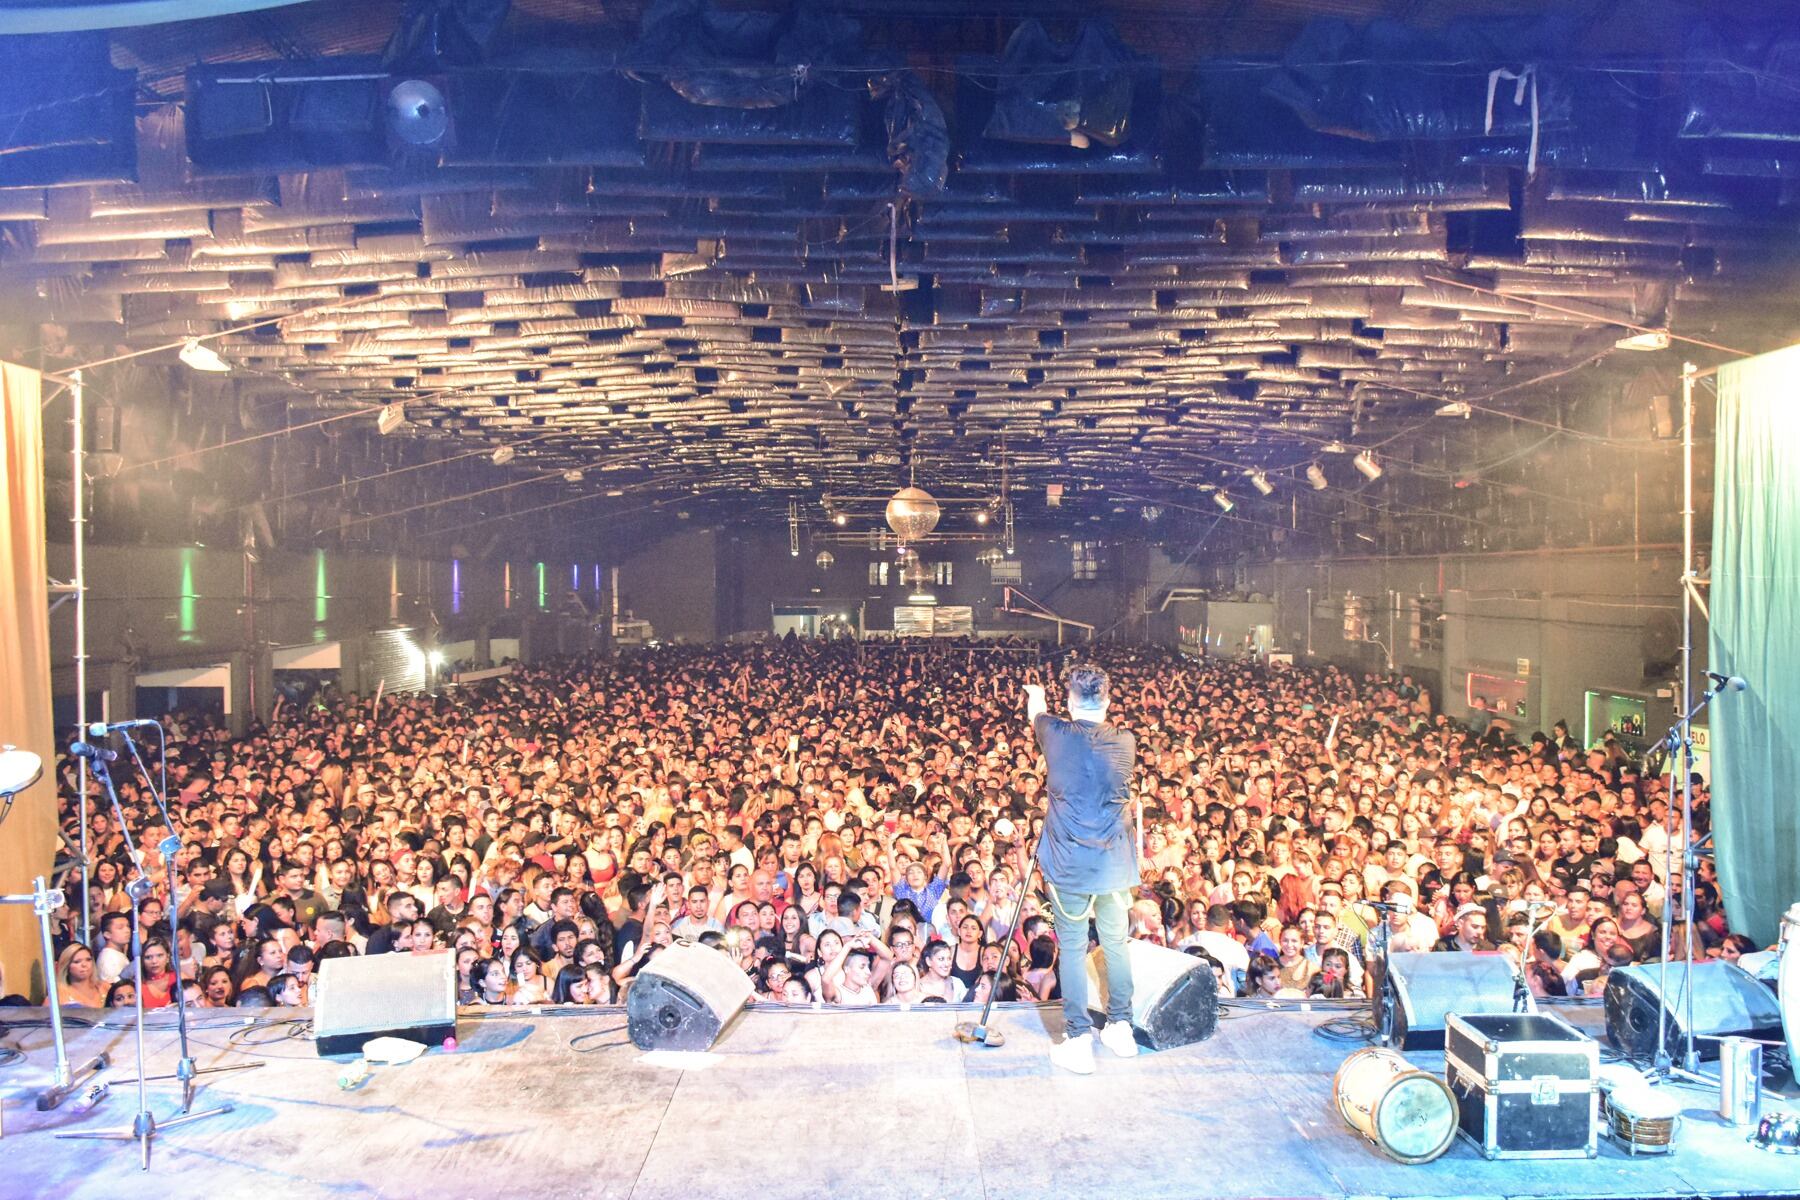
(143, 1126)
(169, 848)
(979, 1031)
(1680, 743)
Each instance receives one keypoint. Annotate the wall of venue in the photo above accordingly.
(1545, 627)
(757, 574)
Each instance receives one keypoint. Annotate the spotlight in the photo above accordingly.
(1454, 408)
(981, 518)
(416, 113)
(503, 455)
(839, 519)
(572, 475)
(435, 658)
(1223, 501)
(1315, 475)
(1655, 339)
(1261, 483)
(203, 358)
(1365, 462)
(391, 418)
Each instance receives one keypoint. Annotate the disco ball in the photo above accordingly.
(824, 560)
(912, 513)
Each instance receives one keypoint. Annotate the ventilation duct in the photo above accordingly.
(543, 117)
(286, 116)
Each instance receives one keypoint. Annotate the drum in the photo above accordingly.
(1642, 1119)
(1408, 1113)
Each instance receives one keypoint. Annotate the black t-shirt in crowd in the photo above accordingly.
(1088, 844)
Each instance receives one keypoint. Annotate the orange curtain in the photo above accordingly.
(28, 836)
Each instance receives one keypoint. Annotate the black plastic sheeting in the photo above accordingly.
(918, 141)
(1386, 81)
(740, 59)
(1743, 84)
(435, 34)
(1241, 127)
(70, 113)
(1053, 92)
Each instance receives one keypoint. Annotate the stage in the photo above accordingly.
(792, 1103)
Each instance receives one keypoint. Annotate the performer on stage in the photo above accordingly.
(1088, 858)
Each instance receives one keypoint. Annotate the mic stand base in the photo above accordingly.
(52, 1097)
(187, 1072)
(144, 1129)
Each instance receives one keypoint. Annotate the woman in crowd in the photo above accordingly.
(76, 978)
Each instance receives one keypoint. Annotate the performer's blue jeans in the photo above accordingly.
(1109, 911)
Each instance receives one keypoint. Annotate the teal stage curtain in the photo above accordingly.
(1755, 632)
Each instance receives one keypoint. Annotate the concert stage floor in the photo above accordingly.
(858, 1105)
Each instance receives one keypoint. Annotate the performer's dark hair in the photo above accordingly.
(1087, 686)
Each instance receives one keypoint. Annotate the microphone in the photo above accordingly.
(101, 728)
(1727, 683)
(97, 753)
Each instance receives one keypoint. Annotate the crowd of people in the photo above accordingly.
(853, 825)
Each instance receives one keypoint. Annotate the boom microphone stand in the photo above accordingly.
(979, 1031)
(143, 1125)
(170, 848)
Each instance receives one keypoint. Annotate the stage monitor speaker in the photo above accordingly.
(1728, 1001)
(1427, 986)
(1174, 996)
(684, 998)
(410, 996)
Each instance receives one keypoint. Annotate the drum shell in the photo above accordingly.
(1368, 1079)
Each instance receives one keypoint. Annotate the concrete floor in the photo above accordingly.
(858, 1105)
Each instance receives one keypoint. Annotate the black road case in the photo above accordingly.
(1526, 1084)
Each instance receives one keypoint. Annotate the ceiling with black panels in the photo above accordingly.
(815, 254)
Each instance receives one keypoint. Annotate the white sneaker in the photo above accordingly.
(1075, 1054)
(1117, 1038)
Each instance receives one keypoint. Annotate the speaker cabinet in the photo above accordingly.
(684, 998)
(1174, 996)
(1425, 987)
(410, 996)
(1728, 1001)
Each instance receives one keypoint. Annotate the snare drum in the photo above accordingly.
(1408, 1113)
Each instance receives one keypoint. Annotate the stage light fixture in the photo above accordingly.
(1654, 339)
(1455, 408)
(1315, 475)
(392, 417)
(840, 519)
(1335, 447)
(203, 358)
(981, 518)
(503, 455)
(572, 475)
(1365, 463)
(417, 113)
(1224, 502)
(1261, 483)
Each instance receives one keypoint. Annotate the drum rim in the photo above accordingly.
(1449, 1132)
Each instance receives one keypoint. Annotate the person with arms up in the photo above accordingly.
(1089, 858)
